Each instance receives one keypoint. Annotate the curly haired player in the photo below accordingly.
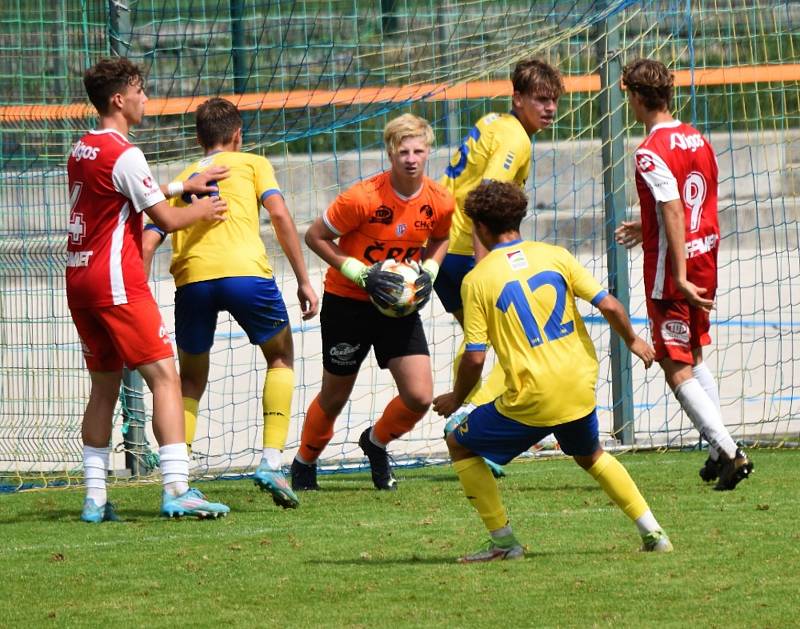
(521, 299)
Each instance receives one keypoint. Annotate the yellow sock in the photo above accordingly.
(190, 406)
(276, 402)
(491, 388)
(618, 484)
(481, 490)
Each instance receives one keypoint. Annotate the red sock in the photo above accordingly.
(317, 432)
(396, 421)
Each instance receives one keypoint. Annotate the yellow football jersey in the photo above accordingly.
(521, 299)
(497, 148)
(233, 247)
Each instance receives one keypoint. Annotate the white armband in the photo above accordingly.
(175, 189)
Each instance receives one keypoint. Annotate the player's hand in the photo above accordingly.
(446, 404)
(694, 295)
(424, 286)
(384, 287)
(205, 182)
(629, 234)
(643, 350)
(212, 208)
(309, 302)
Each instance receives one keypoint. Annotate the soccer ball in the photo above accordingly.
(406, 304)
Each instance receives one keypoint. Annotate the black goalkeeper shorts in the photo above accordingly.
(350, 327)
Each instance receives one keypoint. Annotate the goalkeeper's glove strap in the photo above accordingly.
(355, 271)
(431, 267)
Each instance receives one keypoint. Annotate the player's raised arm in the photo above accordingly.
(171, 219)
(286, 232)
(204, 182)
(614, 312)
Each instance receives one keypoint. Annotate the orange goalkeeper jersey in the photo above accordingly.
(374, 224)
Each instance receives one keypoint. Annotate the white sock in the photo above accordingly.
(174, 468)
(95, 471)
(705, 416)
(272, 457)
(647, 523)
(374, 440)
(706, 380)
(502, 532)
(300, 459)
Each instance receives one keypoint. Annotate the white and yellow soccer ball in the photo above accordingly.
(406, 304)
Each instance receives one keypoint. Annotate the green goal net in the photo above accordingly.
(317, 81)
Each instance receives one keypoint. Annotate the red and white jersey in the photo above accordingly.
(110, 184)
(676, 162)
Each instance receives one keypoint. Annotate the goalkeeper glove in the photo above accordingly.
(424, 283)
(384, 287)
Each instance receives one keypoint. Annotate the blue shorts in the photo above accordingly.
(488, 433)
(448, 281)
(255, 303)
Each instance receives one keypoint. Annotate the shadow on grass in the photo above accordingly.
(443, 559)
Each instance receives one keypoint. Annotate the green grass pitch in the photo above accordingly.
(354, 557)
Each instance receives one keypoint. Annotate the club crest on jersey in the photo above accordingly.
(645, 163)
(517, 260)
(382, 215)
(426, 210)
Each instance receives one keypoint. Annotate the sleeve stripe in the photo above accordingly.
(155, 228)
(599, 297)
(329, 225)
(269, 193)
(475, 347)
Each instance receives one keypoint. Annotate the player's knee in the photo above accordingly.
(418, 401)
(587, 461)
(279, 350)
(161, 373)
(332, 402)
(457, 451)
(280, 361)
(193, 385)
